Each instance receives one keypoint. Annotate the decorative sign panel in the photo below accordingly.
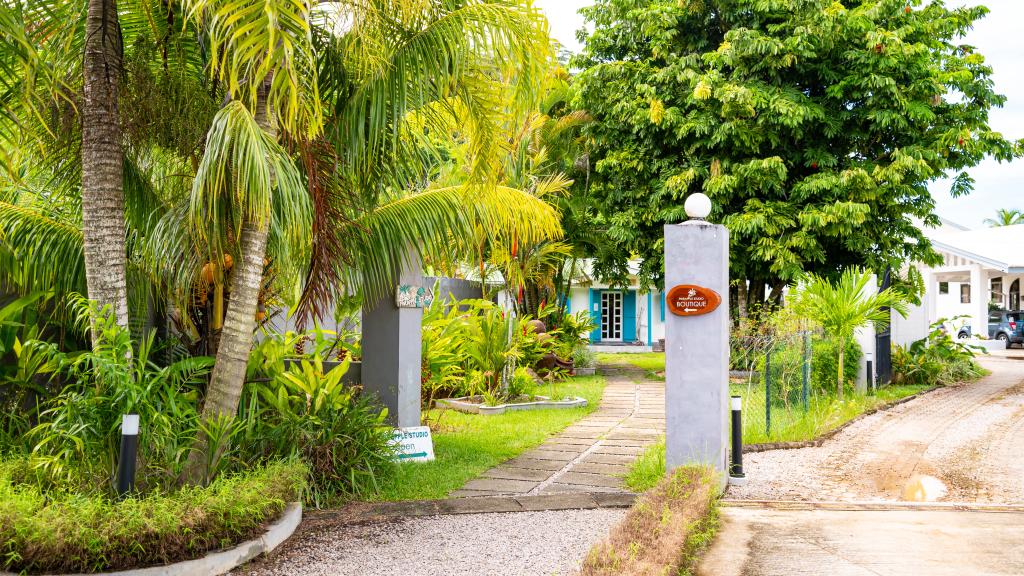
(691, 300)
(413, 444)
(411, 296)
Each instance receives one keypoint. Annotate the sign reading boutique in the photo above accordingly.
(691, 300)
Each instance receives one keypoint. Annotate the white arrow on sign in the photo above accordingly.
(689, 309)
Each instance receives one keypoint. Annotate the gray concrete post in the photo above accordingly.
(392, 350)
(697, 349)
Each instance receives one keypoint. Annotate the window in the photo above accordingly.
(965, 293)
(996, 292)
(943, 287)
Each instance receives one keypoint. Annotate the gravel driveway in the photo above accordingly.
(968, 436)
(523, 543)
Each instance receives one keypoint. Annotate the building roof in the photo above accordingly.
(999, 247)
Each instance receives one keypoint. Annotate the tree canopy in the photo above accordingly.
(815, 126)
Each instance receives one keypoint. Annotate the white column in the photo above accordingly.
(979, 301)
(931, 298)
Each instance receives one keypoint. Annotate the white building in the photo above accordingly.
(623, 315)
(982, 270)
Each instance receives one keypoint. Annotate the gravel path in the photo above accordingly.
(523, 543)
(968, 436)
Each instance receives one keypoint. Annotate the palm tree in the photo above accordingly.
(103, 224)
(1005, 217)
(846, 305)
(436, 65)
(60, 90)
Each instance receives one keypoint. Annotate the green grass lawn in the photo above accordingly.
(824, 413)
(467, 445)
(793, 425)
(652, 363)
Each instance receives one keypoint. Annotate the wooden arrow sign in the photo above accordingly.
(691, 300)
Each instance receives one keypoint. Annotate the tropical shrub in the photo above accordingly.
(473, 348)
(69, 532)
(306, 413)
(842, 306)
(76, 442)
(936, 360)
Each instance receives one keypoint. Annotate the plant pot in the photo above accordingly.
(585, 371)
(474, 405)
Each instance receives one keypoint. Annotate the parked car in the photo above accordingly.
(1003, 325)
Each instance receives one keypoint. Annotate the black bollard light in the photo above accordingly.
(736, 466)
(129, 452)
(869, 373)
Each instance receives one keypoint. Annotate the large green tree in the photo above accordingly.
(815, 126)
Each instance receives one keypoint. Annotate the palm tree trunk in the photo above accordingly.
(103, 226)
(235, 341)
(236, 336)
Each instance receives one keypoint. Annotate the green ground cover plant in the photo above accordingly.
(466, 445)
(666, 530)
(69, 532)
(652, 363)
(937, 360)
(793, 425)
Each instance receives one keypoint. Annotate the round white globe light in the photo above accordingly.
(697, 206)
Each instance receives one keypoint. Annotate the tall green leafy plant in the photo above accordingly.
(77, 439)
(845, 305)
(310, 414)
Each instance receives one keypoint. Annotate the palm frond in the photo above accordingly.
(439, 224)
(40, 252)
(252, 40)
(246, 176)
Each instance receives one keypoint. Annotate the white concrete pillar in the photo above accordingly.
(865, 337)
(697, 349)
(979, 301)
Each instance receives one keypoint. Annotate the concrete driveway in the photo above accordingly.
(902, 541)
(835, 510)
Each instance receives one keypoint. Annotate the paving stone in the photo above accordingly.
(463, 493)
(482, 505)
(597, 468)
(558, 440)
(614, 499)
(569, 501)
(623, 442)
(559, 488)
(608, 458)
(557, 456)
(509, 473)
(532, 464)
(586, 479)
(500, 486)
(620, 450)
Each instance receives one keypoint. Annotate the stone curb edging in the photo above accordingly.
(543, 403)
(216, 563)
(873, 506)
(766, 446)
(384, 511)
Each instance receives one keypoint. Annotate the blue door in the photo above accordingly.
(629, 316)
(595, 314)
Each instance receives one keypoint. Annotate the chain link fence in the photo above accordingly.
(783, 380)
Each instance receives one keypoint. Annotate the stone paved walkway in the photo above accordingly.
(593, 454)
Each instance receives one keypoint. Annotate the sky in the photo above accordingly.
(999, 37)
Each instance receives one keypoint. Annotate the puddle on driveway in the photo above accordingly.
(922, 488)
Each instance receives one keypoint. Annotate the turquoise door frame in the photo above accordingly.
(595, 315)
